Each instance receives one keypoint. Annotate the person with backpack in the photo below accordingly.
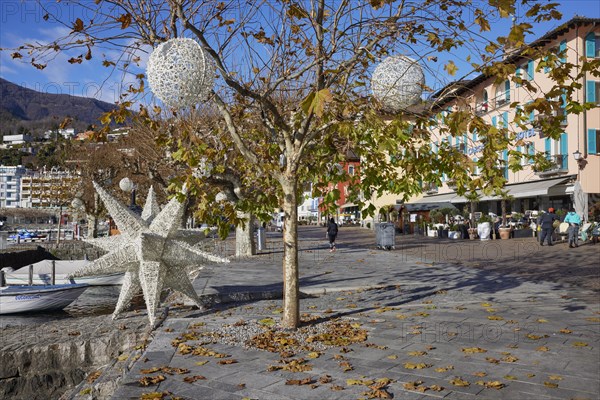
(332, 231)
(546, 221)
(574, 220)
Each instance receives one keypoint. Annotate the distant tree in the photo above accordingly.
(11, 156)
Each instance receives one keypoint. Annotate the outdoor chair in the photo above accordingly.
(585, 231)
(563, 231)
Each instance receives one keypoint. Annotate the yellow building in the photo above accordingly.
(51, 188)
(575, 156)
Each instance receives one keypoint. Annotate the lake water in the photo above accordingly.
(96, 300)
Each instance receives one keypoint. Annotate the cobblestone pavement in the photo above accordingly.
(415, 322)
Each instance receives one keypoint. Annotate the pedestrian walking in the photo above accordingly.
(332, 231)
(574, 220)
(546, 221)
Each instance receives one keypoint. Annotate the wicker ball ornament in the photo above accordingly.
(180, 73)
(397, 83)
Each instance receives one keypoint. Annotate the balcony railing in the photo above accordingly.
(430, 188)
(501, 100)
(481, 108)
(558, 166)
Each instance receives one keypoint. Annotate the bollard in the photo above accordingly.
(2, 280)
(53, 282)
(31, 275)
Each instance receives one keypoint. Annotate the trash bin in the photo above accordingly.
(385, 235)
(261, 238)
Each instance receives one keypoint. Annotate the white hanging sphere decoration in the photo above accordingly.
(180, 73)
(126, 185)
(398, 82)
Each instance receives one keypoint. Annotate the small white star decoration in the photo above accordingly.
(148, 251)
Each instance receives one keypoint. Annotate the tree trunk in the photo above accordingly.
(92, 222)
(472, 216)
(291, 285)
(245, 245)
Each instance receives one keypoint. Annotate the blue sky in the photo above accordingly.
(22, 21)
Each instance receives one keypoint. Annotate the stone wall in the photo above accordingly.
(45, 361)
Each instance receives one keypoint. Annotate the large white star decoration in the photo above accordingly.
(148, 252)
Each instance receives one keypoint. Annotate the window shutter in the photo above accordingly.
(591, 91)
(590, 45)
(505, 119)
(465, 140)
(475, 138)
(547, 147)
(494, 121)
(532, 116)
(505, 158)
(564, 150)
(530, 70)
(563, 103)
(562, 47)
(507, 89)
(591, 142)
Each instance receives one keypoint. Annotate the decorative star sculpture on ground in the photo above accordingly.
(148, 251)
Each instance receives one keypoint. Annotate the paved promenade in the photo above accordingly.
(432, 318)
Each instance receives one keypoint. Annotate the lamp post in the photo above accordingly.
(127, 185)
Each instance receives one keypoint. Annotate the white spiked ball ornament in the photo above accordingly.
(397, 83)
(180, 73)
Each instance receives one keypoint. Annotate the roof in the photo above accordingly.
(465, 84)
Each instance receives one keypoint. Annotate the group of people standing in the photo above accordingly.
(546, 222)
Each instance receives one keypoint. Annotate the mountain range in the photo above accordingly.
(38, 111)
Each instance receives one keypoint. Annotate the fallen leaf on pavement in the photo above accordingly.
(471, 350)
(305, 381)
(551, 385)
(151, 380)
(192, 379)
(459, 382)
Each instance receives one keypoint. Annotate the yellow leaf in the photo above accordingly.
(392, 357)
(352, 382)
(459, 382)
(510, 359)
(530, 375)
(401, 316)
(200, 363)
(495, 318)
(543, 348)
(314, 354)
(444, 369)
(417, 353)
(267, 321)
(416, 366)
(551, 385)
(480, 374)
(123, 357)
(510, 377)
(580, 344)
(593, 319)
(486, 305)
(555, 377)
(565, 330)
(471, 350)
(542, 320)
(436, 388)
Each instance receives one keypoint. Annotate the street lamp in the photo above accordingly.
(578, 158)
(127, 185)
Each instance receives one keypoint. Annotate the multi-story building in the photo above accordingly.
(574, 157)
(10, 185)
(51, 188)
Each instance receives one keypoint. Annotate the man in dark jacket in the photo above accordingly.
(546, 222)
(332, 231)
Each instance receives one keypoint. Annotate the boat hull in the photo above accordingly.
(20, 299)
(42, 274)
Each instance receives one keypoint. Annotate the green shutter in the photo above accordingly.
(591, 142)
(465, 140)
(532, 116)
(531, 152)
(564, 150)
(547, 147)
(505, 119)
(563, 47)
(590, 92)
(505, 158)
(494, 121)
(507, 89)
(590, 45)
(530, 70)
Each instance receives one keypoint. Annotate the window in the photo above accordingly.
(593, 139)
(592, 92)
(592, 45)
(530, 70)
(351, 170)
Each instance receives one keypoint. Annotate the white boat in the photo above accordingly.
(19, 299)
(42, 274)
